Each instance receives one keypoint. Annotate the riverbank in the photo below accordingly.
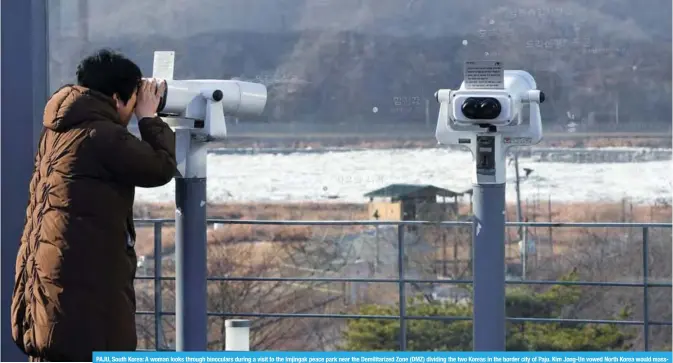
(540, 154)
(415, 141)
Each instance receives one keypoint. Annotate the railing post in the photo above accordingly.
(237, 335)
(158, 323)
(402, 292)
(646, 302)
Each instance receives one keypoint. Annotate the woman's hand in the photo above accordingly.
(149, 97)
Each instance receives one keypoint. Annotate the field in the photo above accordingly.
(246, 251)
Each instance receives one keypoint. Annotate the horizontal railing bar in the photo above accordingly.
(338, 279)
(154, 221)
(590, 283)
(339, 222)
(443, 318)
(420, 281)
(286, 315)
(342, 316)
(436, 281)
(412, 317)
(589, 321)
(411, 223)
(591, 224)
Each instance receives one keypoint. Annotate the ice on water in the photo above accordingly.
(346, 176)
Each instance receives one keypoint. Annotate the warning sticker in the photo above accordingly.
(485, 74)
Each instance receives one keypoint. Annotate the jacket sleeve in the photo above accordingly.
(147, 163)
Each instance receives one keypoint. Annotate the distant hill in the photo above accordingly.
(328, 61)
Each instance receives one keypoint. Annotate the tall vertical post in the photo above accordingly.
(517, 177)
(488, 267)
(524, 253)
(522, 233)
(24, 89)
(488, 236)
(646, 292)
(190, 244)
(158, 300)
(401, 262)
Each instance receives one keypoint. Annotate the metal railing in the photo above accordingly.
(401, 280)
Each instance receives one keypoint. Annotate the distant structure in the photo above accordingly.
(429, 252)
(408, 202)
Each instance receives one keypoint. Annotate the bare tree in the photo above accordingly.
(616, 255)
(244, 296)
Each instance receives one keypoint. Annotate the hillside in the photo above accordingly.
(333, 61)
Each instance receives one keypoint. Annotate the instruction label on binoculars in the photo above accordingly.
(484, 74)
(164, 64)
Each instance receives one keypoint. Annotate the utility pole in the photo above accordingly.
(518, 192)
(522, 231)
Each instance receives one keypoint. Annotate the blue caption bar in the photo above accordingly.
(386, 357)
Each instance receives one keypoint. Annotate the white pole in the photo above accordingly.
(237, 335)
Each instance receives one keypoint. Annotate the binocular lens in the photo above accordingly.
(481, 108)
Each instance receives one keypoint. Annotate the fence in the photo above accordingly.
(401, 281)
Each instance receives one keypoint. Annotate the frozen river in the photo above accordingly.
(346, 176)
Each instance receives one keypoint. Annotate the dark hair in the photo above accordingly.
(109, 72)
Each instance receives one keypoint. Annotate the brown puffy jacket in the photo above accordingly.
(73, 291)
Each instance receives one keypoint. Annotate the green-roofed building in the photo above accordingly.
(413, 202)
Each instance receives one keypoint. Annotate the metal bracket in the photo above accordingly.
(191, 154)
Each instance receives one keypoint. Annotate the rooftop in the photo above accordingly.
(412, 190)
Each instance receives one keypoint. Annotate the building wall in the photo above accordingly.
(387, 211)
(393, 211)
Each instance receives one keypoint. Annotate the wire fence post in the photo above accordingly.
(402, 292)
(158, 322)
(646, 302)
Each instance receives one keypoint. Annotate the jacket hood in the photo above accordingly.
(71, 105)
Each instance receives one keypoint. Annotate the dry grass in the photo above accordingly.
(560, 212)
(249, 233)
(265, 237)
(270, 211)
